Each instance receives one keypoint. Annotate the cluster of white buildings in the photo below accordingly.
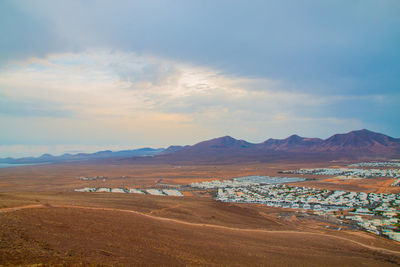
(83, 178)
(294, 197)
(362, 173)
(245, 181)
(396, 182)
(379, 225)
(377, 213)
(377, 164)
(155, 192)
(220, 183)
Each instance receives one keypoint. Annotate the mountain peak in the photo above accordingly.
(359, 139)
(294, 137)
(223, 142)
(364, 132)
(44, 156)
(225, 138)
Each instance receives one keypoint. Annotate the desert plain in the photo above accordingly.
(44, 222)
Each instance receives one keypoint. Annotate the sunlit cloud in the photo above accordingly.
(155, 73)
(121, 98)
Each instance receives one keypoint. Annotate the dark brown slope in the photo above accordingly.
(133, 230)
(362, 141)
(217, 145)
(218, 150)
(362, 144)
(293, 143)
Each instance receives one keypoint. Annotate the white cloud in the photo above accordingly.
(123, 98)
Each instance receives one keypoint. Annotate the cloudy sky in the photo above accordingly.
(89, 75)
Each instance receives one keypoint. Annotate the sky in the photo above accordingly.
(82, 76)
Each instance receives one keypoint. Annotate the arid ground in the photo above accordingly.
(43, 221)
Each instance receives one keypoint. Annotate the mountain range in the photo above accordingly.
(107, 154)
(361, 144)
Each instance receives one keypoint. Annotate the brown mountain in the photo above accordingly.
(356, 141)
(362, 144)
(363, 140)
(293, 143)
(222, 149)
(225, 142)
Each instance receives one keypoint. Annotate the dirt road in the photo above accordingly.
(378, 249)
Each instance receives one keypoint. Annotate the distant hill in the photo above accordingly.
(107, 154)
(361, 144)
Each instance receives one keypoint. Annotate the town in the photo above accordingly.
(377, 164)
(246, 181)
(155, 192)
(358, 173)
(372, 212)
(376, 213)
(83, 178)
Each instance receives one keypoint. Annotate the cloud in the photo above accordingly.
(330, 47)
(100, 97)
(26, 33)
(132, 72)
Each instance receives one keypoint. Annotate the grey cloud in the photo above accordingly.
(26, 34)
(321, 47)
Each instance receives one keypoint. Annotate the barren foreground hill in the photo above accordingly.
(110, 229)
